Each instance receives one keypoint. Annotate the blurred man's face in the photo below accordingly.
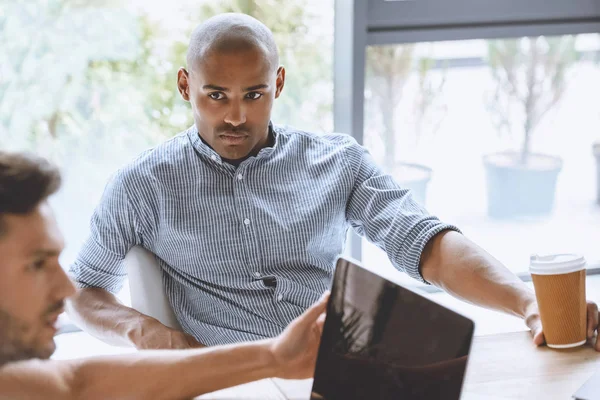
(232, 96)
(33, 286)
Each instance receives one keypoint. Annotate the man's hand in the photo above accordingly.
(534, 322)
(295, 350)
(153, 335)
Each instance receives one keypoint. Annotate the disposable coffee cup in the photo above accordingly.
(559, 282)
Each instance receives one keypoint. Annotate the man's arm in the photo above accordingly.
(452, 262)
(101, 314)
(146, 375)
(171, 374)
(115, 228)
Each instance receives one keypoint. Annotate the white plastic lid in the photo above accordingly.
(556, 264)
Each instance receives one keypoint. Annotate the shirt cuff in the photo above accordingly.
(84, 276)
(417, 239)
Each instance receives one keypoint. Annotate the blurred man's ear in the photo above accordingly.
(183, 83)
(280, 82)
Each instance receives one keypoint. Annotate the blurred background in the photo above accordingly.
(494, 134)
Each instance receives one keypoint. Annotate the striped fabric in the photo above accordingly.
(246, 249)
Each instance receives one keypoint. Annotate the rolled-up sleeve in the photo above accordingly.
(386, 214)
(113, 231)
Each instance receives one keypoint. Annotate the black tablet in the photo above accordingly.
(384, 341)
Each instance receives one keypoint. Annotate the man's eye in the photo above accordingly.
(37, 265)
(216, 95)
(254, 95)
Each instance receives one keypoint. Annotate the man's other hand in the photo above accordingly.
(534, 322)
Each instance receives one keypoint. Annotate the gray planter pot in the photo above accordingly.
(596, 150)
(517, 190)
(415, 177)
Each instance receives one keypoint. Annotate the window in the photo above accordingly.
(494, 136)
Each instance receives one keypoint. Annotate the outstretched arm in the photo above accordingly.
(176, 374)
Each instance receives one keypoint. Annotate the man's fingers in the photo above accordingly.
(324, 297)
(321, 321)
(316, 309)
(535, 326)
(538, 337)
(592, 319)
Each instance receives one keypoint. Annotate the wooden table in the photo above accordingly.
(504, 366)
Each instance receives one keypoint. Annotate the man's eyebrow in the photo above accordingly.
(215, 87)
(223, 89)
(256, 87)
(46, 253)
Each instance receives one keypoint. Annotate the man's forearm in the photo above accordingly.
(463, 269)
(100, 313)
(146, 375)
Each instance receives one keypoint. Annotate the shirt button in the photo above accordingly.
(280, 297)
(247, 221)
(213, 157)
(240, 177)
(257, 274)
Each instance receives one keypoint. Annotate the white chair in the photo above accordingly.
(146, 289)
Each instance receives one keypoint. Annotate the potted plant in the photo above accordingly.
(529, 75)
(389, 69)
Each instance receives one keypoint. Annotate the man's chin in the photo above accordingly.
(10, 354)
(233, 156)
(21, 341)
(43, 350)
(47, 351)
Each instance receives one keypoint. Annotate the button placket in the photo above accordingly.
(245, 212)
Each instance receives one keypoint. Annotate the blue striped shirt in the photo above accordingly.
(246, 249)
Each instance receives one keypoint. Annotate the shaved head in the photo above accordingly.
(231, 33)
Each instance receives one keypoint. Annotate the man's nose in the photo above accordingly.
(62, 285)
(236, 115)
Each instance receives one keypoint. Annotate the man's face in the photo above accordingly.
(232, 96)
(33, 286)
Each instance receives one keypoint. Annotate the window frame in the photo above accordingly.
(360, 23)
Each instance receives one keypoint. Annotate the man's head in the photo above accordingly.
(33, 286)
(232, 79)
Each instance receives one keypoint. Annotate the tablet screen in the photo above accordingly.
(383, 341)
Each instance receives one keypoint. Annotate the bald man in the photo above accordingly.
(33, 287)
(247, 218)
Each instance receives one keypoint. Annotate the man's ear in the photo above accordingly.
(183, 83)
(280, 82)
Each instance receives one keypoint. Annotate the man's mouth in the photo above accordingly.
(52, 321)
(233, 134)
(233, 138)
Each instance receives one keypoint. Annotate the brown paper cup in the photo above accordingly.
(559, 283)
